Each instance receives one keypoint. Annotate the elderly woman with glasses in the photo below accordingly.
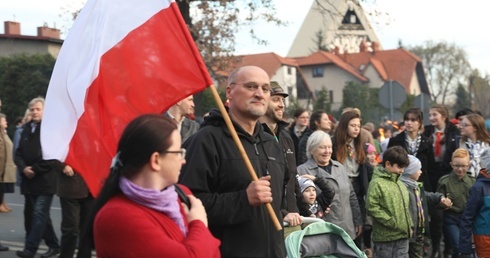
(344, 210)
(141, 212)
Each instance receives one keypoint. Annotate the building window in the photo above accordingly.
(330, 96)
(318, 71)
(289, 70)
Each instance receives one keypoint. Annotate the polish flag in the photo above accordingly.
(121, 59)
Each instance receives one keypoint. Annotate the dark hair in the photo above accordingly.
(142, 137)
(341, 136)
(296, 114)
(396, 155)
(299, 111)
(463, 112)
(419, 115)
(316, 117)
(19, 120)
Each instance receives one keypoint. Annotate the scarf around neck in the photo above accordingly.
(164, 201)
(413, 145)
(412, 184)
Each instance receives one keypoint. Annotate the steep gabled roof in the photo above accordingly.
(322, 57)
(396, 64)
(378, 65)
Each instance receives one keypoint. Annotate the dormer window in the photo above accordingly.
(318, 71)
(353, 18)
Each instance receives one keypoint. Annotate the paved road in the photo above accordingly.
(12, 231)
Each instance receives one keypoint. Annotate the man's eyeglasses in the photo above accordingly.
(266, 88)
(180, 152)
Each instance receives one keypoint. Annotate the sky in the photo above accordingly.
(412, 21)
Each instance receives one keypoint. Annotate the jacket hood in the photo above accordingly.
(380, 171)
(484, 176)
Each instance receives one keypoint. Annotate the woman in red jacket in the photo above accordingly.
(138, 213)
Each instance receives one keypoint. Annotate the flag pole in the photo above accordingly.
(238, 143)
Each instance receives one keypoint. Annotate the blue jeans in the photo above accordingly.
(41, 225)
(397, 248)
(451, 231)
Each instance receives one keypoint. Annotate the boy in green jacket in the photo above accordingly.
(387, 202)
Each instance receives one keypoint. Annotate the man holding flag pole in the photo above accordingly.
(216, 173)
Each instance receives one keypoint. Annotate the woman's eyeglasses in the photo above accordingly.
(181, 152)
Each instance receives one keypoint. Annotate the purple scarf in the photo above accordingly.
(163, 201)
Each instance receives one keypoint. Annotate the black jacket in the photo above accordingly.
(302, 156)
(29, 153)
(216, 173)
(294, 201)
(295, 140)
(451, 142)
(325, 199)
(425, 154)
(72, 187)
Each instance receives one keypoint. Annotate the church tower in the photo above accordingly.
(341, 25)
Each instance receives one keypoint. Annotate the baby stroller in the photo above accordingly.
(321, 239)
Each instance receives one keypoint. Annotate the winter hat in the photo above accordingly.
(485, 159)
(305, 183)
(370, 148)
(412, 167)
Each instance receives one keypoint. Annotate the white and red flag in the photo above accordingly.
(120, 59)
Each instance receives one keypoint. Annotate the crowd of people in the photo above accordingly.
(178, 188)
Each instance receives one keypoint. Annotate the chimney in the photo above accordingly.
(47, 32)
(363, 47)
(375, 46)
(12, 28)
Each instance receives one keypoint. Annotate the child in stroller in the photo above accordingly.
(318, 203)
(319, 238)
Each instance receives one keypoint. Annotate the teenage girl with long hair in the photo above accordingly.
(348, 149)
(474, 138)
(444, 136)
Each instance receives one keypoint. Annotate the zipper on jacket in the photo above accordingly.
(264, 212)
